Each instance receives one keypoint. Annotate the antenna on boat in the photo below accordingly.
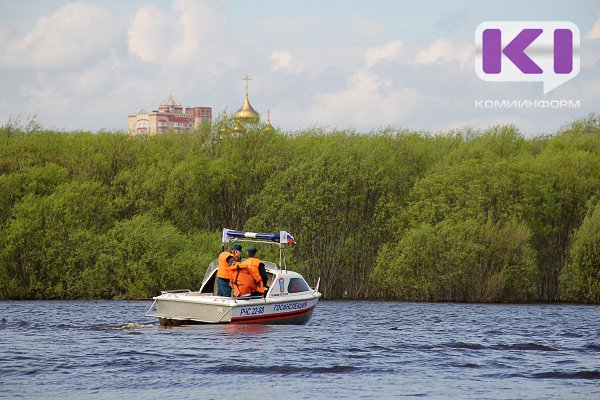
(282, 263)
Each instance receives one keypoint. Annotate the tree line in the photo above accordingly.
(469, 216)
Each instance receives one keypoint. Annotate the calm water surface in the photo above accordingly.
(109, 349)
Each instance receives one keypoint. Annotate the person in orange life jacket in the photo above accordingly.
(244, 279)
(226, 260)
(259, 267)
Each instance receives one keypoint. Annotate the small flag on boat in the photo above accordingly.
(285, 237)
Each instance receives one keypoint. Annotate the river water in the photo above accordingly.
(110, 350)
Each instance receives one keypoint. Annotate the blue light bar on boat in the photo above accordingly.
(230, 235)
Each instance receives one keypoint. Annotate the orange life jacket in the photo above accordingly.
(223, 271)
(253, 263)
(244, 280)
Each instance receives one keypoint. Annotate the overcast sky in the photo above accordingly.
(328, 63)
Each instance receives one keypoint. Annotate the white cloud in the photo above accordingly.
(367, 101)
(283, 61)
(594, 33)
(387, 51)
(194, 34)
(203, 24)
(442, 50)
(151, 34)
(93, 82)
(72, 36)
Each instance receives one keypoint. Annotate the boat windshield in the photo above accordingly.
(214, 265)
(269, 264)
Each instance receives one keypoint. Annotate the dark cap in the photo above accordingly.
(236, 247)
(251, 250)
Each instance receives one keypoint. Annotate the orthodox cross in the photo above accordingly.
(247, 78)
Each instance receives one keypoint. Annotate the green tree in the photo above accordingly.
(50, 239)
(580, 279)
(566, 178)
(143, 256)
(460, 261)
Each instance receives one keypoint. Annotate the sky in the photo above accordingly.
(332, 64)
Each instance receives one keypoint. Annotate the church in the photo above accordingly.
(171, 117)
(247, 117)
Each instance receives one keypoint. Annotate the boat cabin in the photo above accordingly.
(280, 282)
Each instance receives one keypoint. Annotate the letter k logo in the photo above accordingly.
(527, 51)
(514, 51)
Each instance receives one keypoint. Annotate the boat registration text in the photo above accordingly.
(252, 310)
(290, 306)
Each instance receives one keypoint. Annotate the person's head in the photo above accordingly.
(236, 250)
(251, 251)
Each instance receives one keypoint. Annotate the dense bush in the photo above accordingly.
(580, 279)
(468, 216)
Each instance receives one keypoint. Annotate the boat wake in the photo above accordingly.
(134, 325)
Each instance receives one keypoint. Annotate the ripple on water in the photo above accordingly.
(8, 324)
(66, 349)
(523, 346)
(592, 346)
(463, 345)
(283, 369)
(572, 334)
(465, 365)
(494, 332)
(568, 375)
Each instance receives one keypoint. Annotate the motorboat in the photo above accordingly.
(288, 298)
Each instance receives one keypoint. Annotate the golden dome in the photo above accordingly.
(268, 127)
(246, 113)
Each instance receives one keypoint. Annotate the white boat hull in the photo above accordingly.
(194, 307)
